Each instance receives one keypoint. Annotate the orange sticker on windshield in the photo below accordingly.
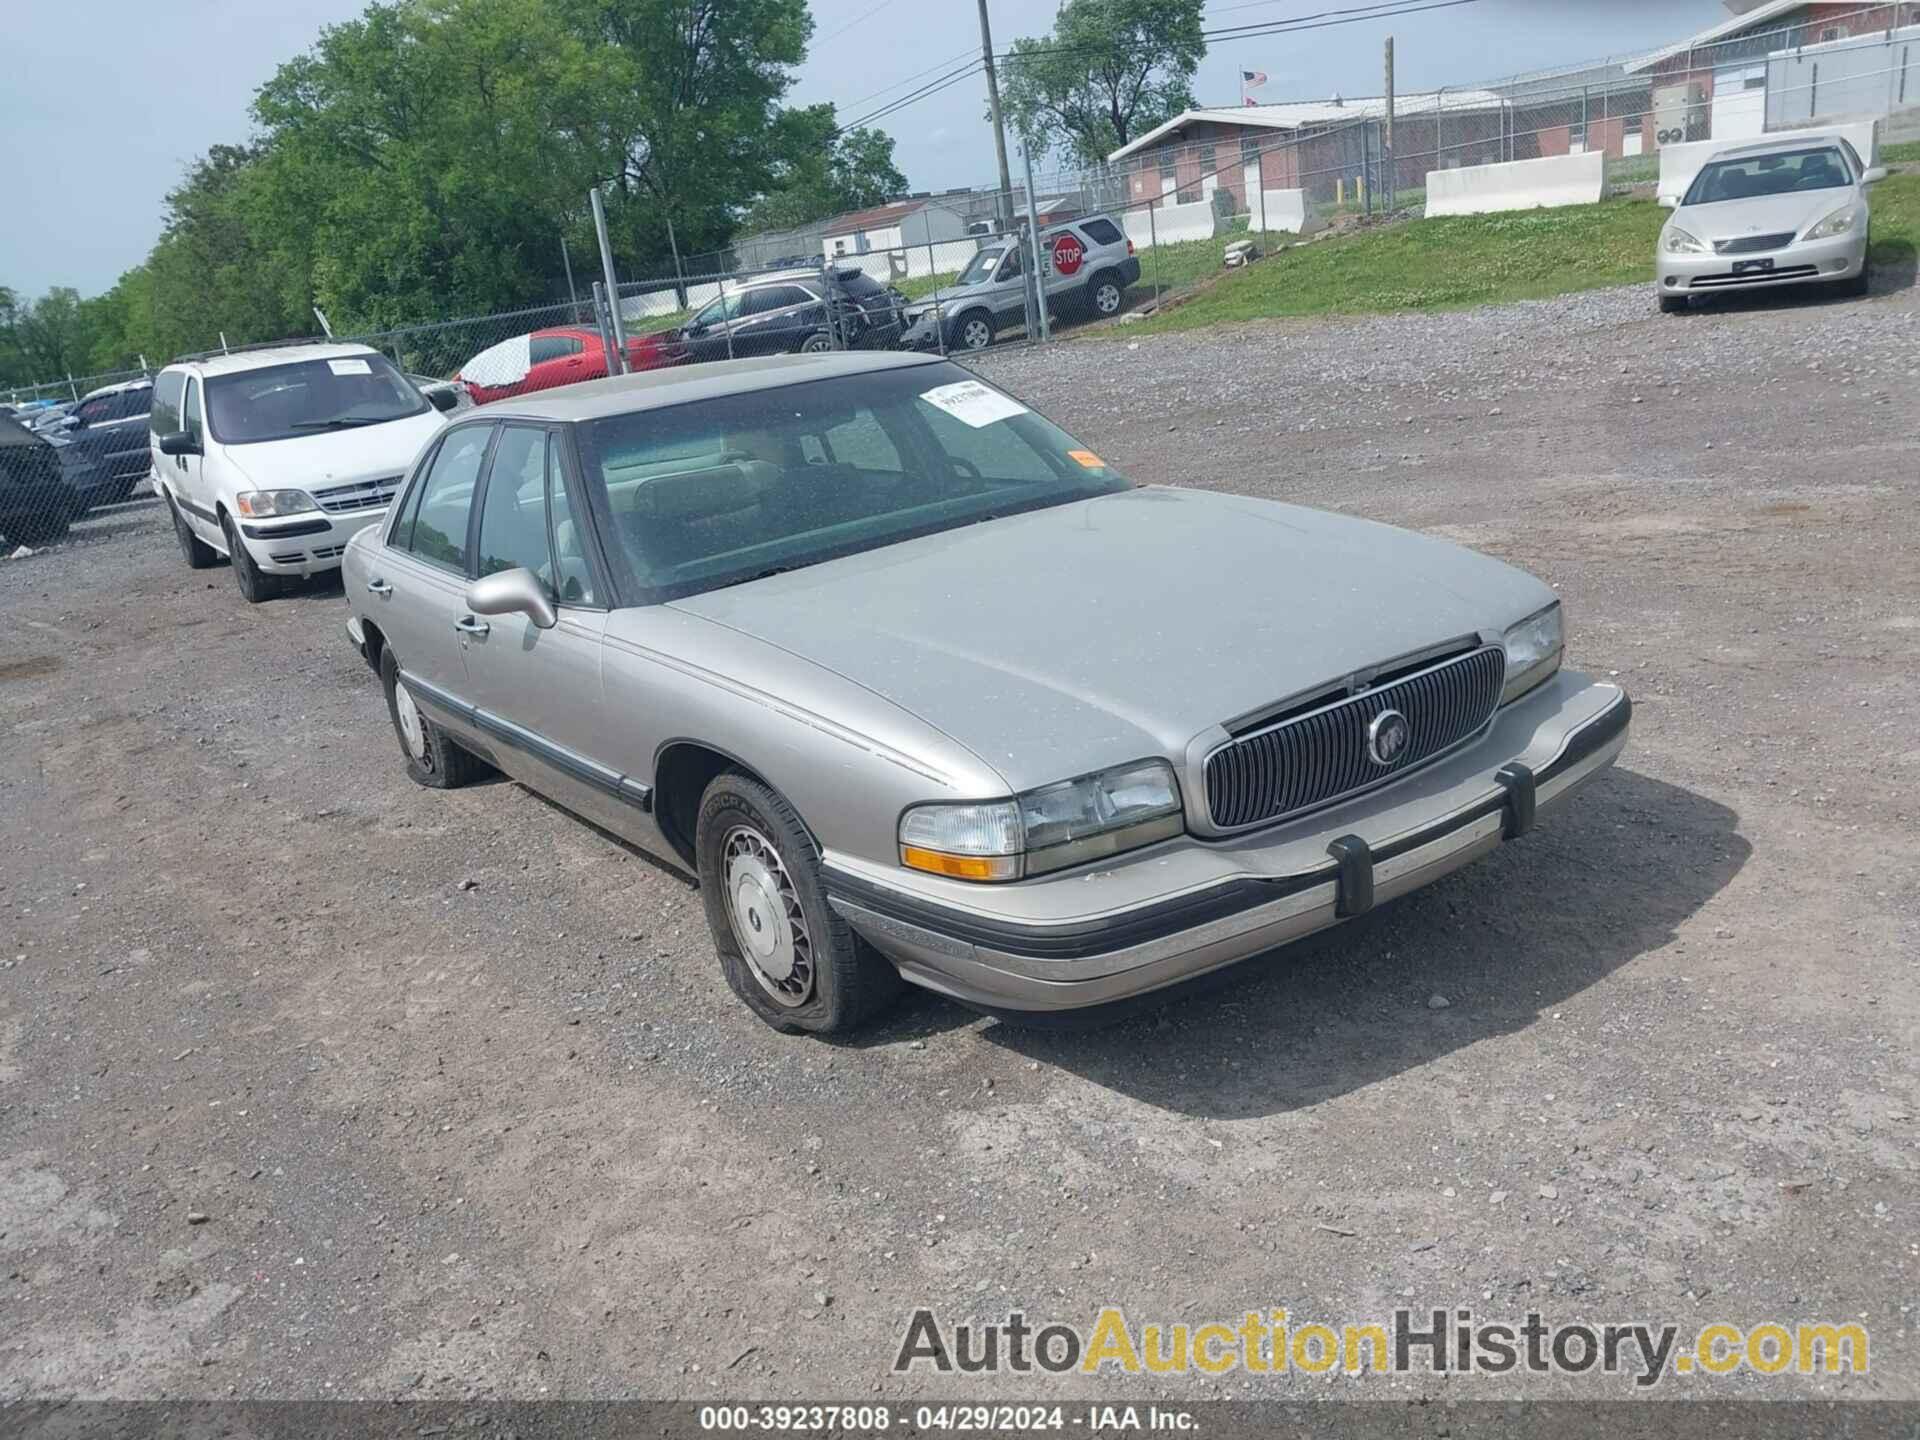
(1088, 459)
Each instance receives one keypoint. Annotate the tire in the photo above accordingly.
(199, 554)
(1861, 283)
(818, 343)
(1673, 304)
(760, 878)
(433, 758)
(972, 331)
(254, 586)
(1105, 295)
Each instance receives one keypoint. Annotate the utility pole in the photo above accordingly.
(1387, 176)
(1004, 205)
(617, 361)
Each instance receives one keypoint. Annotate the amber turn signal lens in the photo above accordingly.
(961, 867)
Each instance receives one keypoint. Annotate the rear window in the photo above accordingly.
(164, 418)
(860, 285)
(1102, 232)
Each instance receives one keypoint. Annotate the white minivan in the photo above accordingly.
(276, 457)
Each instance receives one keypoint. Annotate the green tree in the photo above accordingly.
(688, 121)
(1110, 71)
(432, 151)
(821, 171)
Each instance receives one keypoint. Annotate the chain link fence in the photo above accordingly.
(954, 271)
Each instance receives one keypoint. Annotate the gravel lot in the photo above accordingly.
(287, 1111)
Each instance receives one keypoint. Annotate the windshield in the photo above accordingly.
(1756, 176)
(308, 397)
(981, 266)
(720, 491)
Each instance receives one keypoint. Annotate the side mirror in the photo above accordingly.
(442, 398)
(1874, 175)
(513, 592)
(179, 443)
(694, 332)
(1669, 202)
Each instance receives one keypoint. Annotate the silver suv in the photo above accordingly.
(1088, 265)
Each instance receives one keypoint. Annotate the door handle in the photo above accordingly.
(379, 587)
(470, 626)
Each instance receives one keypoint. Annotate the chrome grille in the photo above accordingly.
(1753, 244)
(361, 495)
(1315, 758)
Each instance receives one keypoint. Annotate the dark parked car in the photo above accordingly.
(107, 432)
(789, 313)
(37, 504)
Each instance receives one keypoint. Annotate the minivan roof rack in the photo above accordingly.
(259, 345)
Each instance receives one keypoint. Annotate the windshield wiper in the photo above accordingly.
(767, 573)
(338, 422)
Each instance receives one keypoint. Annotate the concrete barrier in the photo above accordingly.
(1518, 185)
(1680, 163)
(1170, 224)
(1285, 211)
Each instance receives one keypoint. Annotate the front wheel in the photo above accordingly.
(793, 961)
(255, 586)
(1673, 304)
(973, 332)
(818, 343)
(199, 555)
(1861, 283)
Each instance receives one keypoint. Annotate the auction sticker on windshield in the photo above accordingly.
(349, 367)
(972, 403)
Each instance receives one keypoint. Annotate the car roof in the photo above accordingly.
(1781, 146)
(242, 360)
(141, 384)
(583, 331)
(683, 385)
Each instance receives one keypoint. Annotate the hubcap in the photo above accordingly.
(1108, 299)
(976, 336)
(817, 343)
(768, 924)
(413, 731)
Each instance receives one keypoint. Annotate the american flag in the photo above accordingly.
(1253, 77)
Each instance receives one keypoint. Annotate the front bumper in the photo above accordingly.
(1806, 262)
(1180, 909)
(306, 544)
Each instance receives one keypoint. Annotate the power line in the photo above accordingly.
(864, 15)
(1319, 20)
(909, 79)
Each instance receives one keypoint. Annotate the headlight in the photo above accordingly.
(257, 503)
(1682, 242)
(1096, 815)
(1534, 647)
(1838, 223)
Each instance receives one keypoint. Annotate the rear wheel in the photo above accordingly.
(1105, 295)
(254, 586)
(789, 957)
(433, 759)
(199, 554)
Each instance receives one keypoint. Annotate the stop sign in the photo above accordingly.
(1067, 253)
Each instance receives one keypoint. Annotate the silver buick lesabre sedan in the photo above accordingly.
(919, 686)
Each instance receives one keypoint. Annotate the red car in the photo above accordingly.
(557, 356)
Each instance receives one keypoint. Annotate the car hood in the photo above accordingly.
(335, 457)
(1058, 641)
(945, 295)
(1765, 215)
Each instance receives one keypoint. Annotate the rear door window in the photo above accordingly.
(439, 531)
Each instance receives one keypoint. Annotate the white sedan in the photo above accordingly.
(1778, 212)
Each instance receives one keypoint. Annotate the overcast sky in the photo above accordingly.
(104, 104)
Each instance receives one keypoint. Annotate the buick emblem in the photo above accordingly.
(1387, 737)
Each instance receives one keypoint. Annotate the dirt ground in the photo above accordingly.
(288, 1109)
